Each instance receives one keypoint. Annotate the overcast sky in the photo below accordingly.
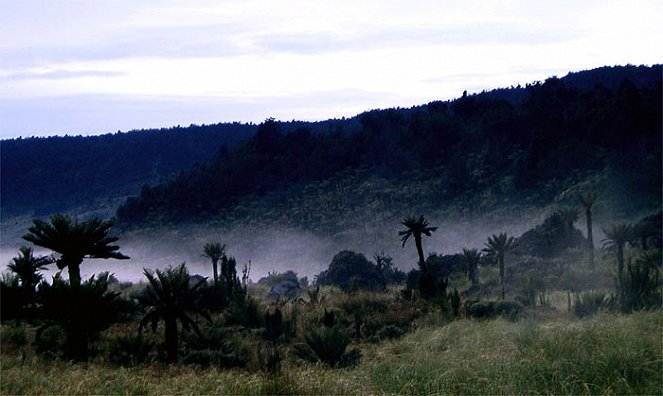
(90, 67)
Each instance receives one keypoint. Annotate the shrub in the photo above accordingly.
(49, 342)
(640, 288)
(589, 303)
(269, 359)
(129, 350)
(349, 268)
(387, 332)
(14, 334)
(328, 345)
(245, 312)
(213, 347)
(490, 309)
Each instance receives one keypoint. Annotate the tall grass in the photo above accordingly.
(605, 354)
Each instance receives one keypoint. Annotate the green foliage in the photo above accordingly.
(13, 334)
(12, 298)
(60, 173)
(129, 350)
(388, 332)
(589, 303)
(214, 347)
(416, 228)
(496, 248)
(50, 342)
(640, 288)
(274, 326)
(80, 310)
(496, 150)
(214, 251)
(26, 266)
(328, 345)
(491, 309)
(471, 258)
(349, 270)
(74, 241)
(171, 297)
(245, 312)
(328, 318)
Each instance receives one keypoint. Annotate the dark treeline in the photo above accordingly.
(52, 174)
(44, 175)
(556, 129)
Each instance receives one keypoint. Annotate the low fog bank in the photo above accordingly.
(278, 249)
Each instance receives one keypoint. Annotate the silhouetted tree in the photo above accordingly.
(416, 228)
(27, 266)
(471, 258)
(587, 201)
(497, 247)
(616, 238)
(81, 310)
(428, 282)
(170, 297)
(74, 241)
(569, 216)
(214, 251)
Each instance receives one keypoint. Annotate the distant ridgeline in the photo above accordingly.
(525, 143)
(46, 175)
(479, 151)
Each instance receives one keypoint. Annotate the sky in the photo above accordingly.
(90, 67)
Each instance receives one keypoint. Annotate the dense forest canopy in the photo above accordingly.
(61, 173)
(523, 143)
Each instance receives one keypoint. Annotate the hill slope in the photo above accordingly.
(471, 155)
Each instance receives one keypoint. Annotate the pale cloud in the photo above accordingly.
(302, 54)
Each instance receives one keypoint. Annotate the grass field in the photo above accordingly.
(605, 354)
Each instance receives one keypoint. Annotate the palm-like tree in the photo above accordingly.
(80, 310)
(569, 215)
(171, 297)
(616, 238)
(497, 247)
(471, 258)
(74, 241)
(214, 251)
(416, 228)
(587, 201)
(27, 266)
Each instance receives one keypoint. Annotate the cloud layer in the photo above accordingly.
(289, 59)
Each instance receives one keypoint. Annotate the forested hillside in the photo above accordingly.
(599, 129)
(46, 175)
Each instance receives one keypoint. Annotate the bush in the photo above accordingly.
(349, 269)
(129, 350)
(49, 342)
(328, 345)
(213, 347)
(589, 303)
(640, 287)
(387, 332)
(14, 334)
(245, 312)
(490, 309)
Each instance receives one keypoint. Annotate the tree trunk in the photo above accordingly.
(171, 340)
(215, 267)
(473, 274)
(74, 274)
(77, 345)
(620, 260)
(500, 258)
(420, 251)
(590, 238)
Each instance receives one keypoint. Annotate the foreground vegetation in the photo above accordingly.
(606, 354)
